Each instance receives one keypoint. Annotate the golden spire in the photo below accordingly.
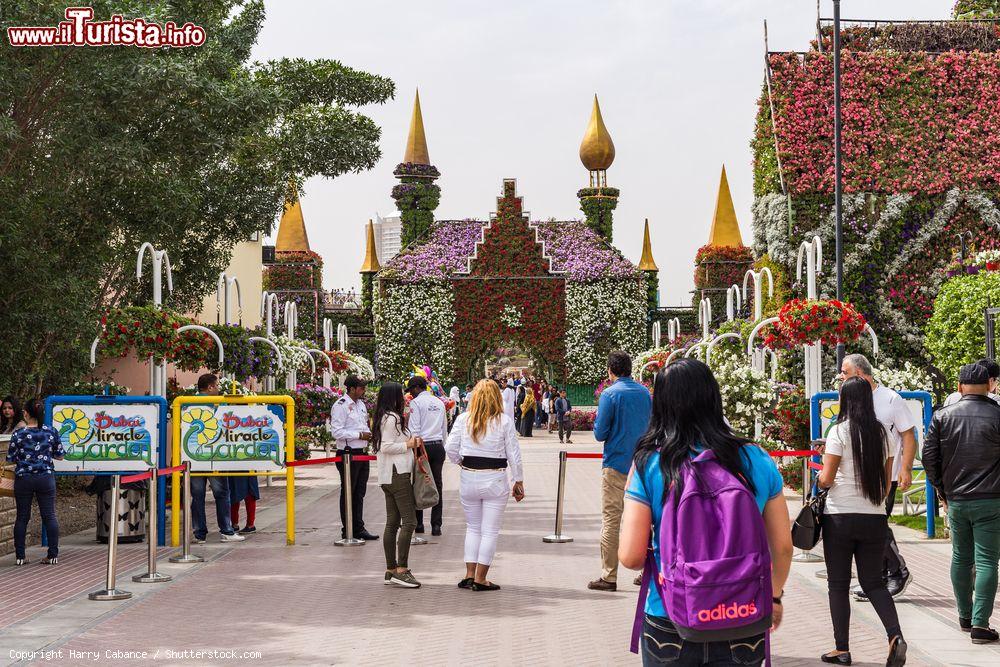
(371, 264)
(646, 263)
(416, 143)
(292, 228)
(725, 228)
(597, 151)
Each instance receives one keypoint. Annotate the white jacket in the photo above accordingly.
(392, 453)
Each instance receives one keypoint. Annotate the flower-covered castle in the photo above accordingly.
(460, 288)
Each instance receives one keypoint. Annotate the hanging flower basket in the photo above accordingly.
(989, 258)
(805, 321)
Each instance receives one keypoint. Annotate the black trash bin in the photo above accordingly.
(131, 510)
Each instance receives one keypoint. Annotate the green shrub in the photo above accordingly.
(956, 332)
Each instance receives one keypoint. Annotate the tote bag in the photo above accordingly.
(425, 492)
(808, 524)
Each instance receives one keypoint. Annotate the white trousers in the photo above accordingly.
(484, 497)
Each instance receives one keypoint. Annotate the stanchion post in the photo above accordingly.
(806, 556)
(348, 540)
(186, 555)
(151, 576)
(110, 592)
(558, 537)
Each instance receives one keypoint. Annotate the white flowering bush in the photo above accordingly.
(602, 316)
(747, 394)
(908, 377)
(294, 354)
(361, 367)
(414, 323)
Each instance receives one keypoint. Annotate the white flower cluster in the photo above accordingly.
(602, 315)
(988, 256)
(909, 377)
(747, 394)
(361, 367)
(294, 354)
(231, 387)
(511, 316)
(414, 323)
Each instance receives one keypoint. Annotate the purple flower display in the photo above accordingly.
(576, 249)
(573, 247)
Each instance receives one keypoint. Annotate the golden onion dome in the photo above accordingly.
(597, 151)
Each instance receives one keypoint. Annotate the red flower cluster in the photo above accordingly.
(913, 122)
(805, 321)
(150, 332)
(339, 360)
(718, 267)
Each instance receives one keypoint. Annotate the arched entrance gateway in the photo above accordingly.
(462, 288)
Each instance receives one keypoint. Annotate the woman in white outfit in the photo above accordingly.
(484, 442)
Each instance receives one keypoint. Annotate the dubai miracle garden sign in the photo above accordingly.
(229, 433)
(107, 433)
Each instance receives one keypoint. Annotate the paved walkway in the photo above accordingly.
(265, 603)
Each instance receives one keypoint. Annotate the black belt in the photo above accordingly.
(483, 463)
(433, 442)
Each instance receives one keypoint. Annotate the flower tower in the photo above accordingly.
(724, 260)
(650, 270)
(368, 270)
(597, 152)
(416, 196)
(297, 272)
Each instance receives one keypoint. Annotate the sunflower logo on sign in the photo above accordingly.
(72, 424)
(830, 414)
(202, 429)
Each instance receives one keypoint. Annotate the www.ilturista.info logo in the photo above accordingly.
(723, 612)
(80, 30)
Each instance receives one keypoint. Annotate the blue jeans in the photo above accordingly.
(42, 487)
(661, 645)
(220, 491)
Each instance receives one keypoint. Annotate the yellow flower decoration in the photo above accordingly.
(831, 411)
(73, 423)
(203, 422)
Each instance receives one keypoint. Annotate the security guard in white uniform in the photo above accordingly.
(429, 422)
(350, 430)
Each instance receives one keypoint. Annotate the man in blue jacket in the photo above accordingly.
(622, 418)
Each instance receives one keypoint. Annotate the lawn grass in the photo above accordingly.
(919, 522)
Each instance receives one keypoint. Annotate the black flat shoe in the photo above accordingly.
(839, 659)
(368, 537)
(897, 653)
(984, 635)
(419, 528)
(436, 531)
(466, 583)
(965, 624)
(488, 586)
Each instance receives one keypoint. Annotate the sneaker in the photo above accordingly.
(897, 585)
(21, 561)
(197, 540)
(232, 537)
(50, 560)
(388, 577)
(404, 579)
(984, 635)
(602, 585)
(247, 529)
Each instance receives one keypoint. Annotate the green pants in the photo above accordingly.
(400, 520)
(975, 540)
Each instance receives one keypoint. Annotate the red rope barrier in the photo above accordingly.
(149, 473)
(794, 452)
(584, 455)
(332, 459)
(815, 466)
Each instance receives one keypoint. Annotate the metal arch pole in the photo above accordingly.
(558, 537)
(110, 592)
(715, 341)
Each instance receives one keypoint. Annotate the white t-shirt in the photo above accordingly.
(892, 411)
(844, 496)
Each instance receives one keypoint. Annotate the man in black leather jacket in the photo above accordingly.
(961, 455)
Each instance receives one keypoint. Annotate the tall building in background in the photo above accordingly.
(388, 236)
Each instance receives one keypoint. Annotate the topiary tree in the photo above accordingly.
(977, 9)
(956, 332)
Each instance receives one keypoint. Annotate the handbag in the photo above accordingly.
(7, 482)
(808, 526)
(425, 492)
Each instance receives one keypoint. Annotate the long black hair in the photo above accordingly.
(18, 417)
(389, 402)
(687, 418)
(868, 438)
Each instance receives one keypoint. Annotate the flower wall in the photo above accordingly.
(414, 323)
(600, 317)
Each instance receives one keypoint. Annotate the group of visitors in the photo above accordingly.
(534, 404)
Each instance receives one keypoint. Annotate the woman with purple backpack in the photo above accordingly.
(857, 470)
(711, 591)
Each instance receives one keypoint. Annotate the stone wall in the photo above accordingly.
(6, 525)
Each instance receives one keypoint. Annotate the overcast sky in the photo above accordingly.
(506, 91)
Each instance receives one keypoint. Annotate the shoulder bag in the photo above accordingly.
(808, 526)
(425, 492)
